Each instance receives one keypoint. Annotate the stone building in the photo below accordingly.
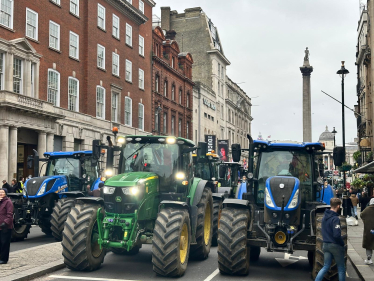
(172, 94)
(200, 37)
(69, 72)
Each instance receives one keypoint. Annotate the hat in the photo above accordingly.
(371, 201)
(6, 190)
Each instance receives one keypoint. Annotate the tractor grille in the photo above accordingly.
(278, 192)
(128, 204)
(34, 184)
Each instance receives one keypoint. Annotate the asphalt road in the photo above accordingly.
(139, 267)
(35, 238)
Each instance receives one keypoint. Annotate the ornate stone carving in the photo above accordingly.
(30, 101)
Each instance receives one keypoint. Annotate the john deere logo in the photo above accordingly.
(118, 199)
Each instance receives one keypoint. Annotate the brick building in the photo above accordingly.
(70, 70)
(172, 92)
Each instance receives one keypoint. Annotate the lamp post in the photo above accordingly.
(334, 132)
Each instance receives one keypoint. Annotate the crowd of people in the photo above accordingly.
(15, 186)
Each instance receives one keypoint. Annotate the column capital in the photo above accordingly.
(13, 128)
(41, 132)
(306, 70)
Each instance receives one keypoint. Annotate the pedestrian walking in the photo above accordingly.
(333, 244)
(364, 201)
(6, 186)
(354, 201)
(6, 225)
(367, 217)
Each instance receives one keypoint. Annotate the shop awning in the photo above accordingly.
(367, 169)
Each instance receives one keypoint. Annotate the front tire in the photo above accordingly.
(59, 216)
(217, 209)
(233, 252)
(171, 242)
(20, 232)
(79, 243)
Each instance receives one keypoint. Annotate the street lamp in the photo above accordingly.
(334, 132)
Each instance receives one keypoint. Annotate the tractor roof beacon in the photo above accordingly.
(154, 198)
(279, 211)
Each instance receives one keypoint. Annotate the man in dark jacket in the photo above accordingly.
(364, 200)
(6, 186)
(6, 225)
(333, 244)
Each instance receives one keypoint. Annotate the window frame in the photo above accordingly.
(98, 17)
(128, 63)
(180, 99)
(130, 1)
(180, 121)
(173, 92)
(172, 125)
(128, 35)
(28, 10)
(77, 7)
(141, 46)
(166, 86)
(141, 118)
(141, 6)
(58, 38)
(118, 27)
(115, 114)
(103, 110)
(77, 96)
(77, 47)
(11, 15)
(141, 81)
(97, 63)
(188, 100)
(58, 86)
(21, 74)
(118, 61)
(165, 123)
(57, 2)
(130, 113)
(187, 130)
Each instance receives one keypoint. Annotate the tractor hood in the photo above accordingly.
(129, 179)
(44, 185)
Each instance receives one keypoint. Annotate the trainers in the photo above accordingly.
(368, 262)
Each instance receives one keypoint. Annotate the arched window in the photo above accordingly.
(180, 96)
(165, 88)
(173, 92)
(188, 100)
(157, 84)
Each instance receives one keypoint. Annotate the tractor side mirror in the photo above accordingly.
(202, 150)
(321, 168)
(236, 152)
(96, 144)
(222, 171)
(30, 161)
(339, 155)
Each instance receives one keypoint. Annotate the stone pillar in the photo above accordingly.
(306, 70)
(42, 146)
(27, 78)
(8, 75)
(36, 79)
(50, 142)
(4, 152)
(12, 167)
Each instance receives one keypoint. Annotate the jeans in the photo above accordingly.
(354, 211)
(331, 251)
(369, 253)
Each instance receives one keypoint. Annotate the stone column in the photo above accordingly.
(42, 146)
(27, 78)
(4, 152)
(12, 168)
(8, 84)
(50, 142)
(306, 70)
(36, 79)
(328, 162)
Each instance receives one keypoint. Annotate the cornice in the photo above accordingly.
(129, 10)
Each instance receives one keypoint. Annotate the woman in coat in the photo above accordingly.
(6, 225)
(367, 217)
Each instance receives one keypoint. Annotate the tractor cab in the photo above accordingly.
(228, 179)
(205, 167)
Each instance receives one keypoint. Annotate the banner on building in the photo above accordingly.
(223, 150)
(211, 141)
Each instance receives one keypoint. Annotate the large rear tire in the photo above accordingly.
(20, 232)
(217, 209)
(233, 252)
(332, 274)
(59, 215)
(171, 242)
(204, 226)
(79, 243)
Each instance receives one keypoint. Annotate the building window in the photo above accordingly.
(141, 79)
(188, 130)
(128, 71)
(116, 25)
(56, 2)
(74, 7)
(100, 102)
(114, 107)
(157, 84)
(173, 125)
(180, 96)
(222, 73)
(205, 115)
(100, 16)
(54, 35)
(115, 64)
(17, 76)
(180, 127)
(141, 6)
(74, 45)
(165, 125)
(172, 62)
(141, 116)
(32, 73)
(128, 111)
(31, 24)
(53, 95)
(128, 34)
(73, 98)
(1, 70)
(188, 100)
(6, 13)
(141, 45)
(130, 1)
(165, 88)
(100, 56)
(222, 133)
(157, 120)
(173, 92)
(219, 70)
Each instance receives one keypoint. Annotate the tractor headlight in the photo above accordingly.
(42, 189)
(109, 189)
(180, 176)
(268, 200)
(130, 190)
(295, 200)
(108, 173)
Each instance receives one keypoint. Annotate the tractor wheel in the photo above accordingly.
(60, 213)
(171, 242)
(204, 226)
(46, 227)
(20, 232)
(233, 252)
(255, 253)
(332, 274)
(217, 209)
(80, 248)
(132, 252)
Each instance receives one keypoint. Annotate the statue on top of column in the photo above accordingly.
(306, 58)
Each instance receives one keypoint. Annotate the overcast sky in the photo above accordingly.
(265, 43)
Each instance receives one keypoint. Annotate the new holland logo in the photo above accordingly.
(281, 185)
(118, 199)
(34, 182)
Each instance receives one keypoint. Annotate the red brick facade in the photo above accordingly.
(172, 94)
(85, 68)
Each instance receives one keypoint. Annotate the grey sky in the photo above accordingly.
(265, 42)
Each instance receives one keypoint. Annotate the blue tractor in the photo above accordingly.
(46, 200)
(280, 210)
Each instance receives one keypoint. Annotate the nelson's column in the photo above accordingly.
(306, 70)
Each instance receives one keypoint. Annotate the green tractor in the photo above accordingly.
(154, 199)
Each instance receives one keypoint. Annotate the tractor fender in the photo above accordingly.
(90, 200)
(198, 192)
(321, 208)
(218, 196)
(175, 204)
(193, 213)
(236, 203)
(71, 194)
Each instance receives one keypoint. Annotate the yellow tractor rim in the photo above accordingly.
(280, 237)
(207, 223)
(183, 245)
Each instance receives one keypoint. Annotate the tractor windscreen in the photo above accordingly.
(63, 166)
(287, 164)
(159, 158)
(202, 170)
